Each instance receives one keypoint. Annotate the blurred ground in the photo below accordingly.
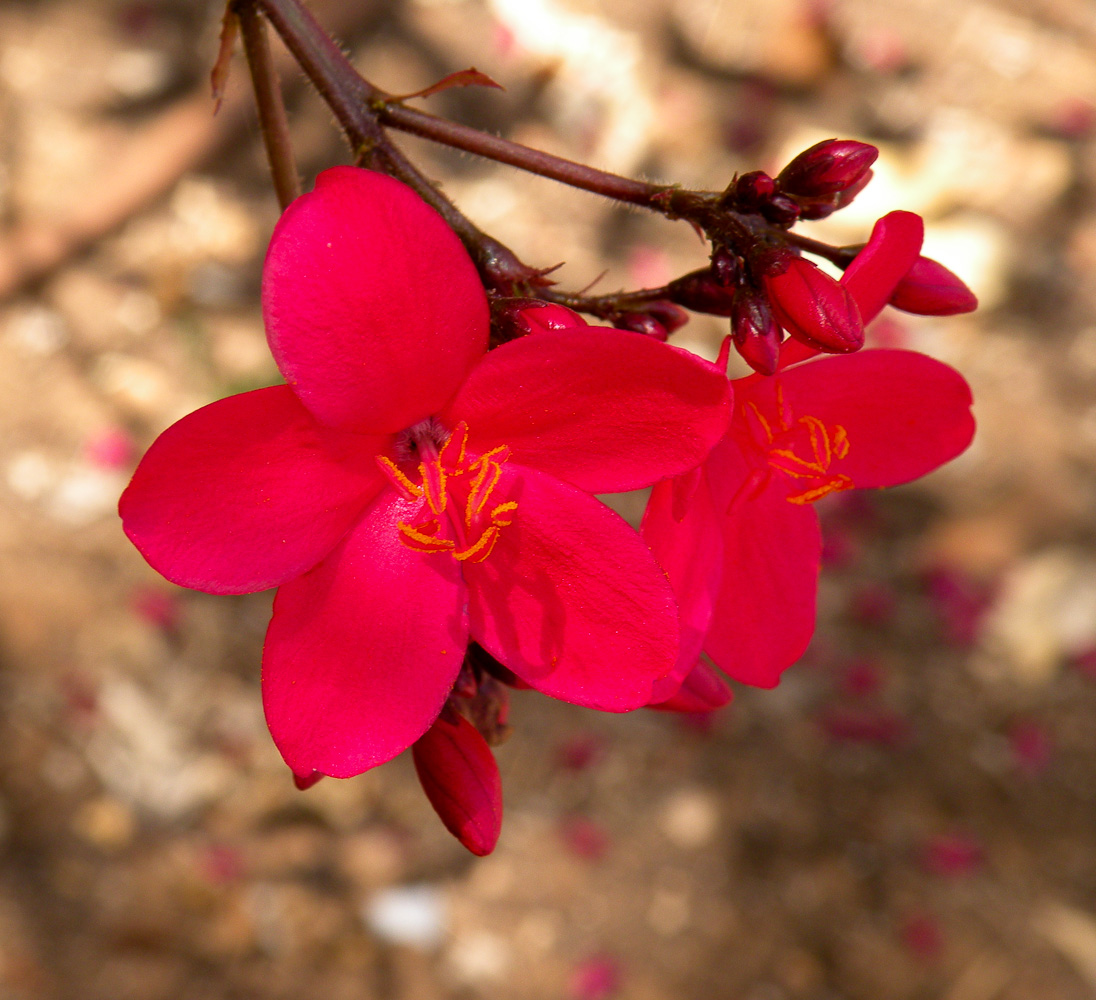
(910, 815)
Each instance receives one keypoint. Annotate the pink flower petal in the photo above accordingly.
(373, 308)
(247, 493)
(459, 775)
(362, 652)
(690, 551)
(571, 600)
(605, 410)
(704, 689)
(772, 552)
(885, 260)
(930, 289)
(905, 413)
(874, 275)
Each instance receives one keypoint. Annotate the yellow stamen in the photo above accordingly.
(399, 480)
(481, 548)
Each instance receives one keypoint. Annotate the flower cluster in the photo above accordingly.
(426, 507)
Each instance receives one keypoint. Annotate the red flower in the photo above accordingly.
(739, 538)
(408, 492)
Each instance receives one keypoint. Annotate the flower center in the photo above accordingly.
(459, 513)
(802, 448)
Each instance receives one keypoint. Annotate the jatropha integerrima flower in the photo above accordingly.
(420, 490)
(739, 538)
(409, 493)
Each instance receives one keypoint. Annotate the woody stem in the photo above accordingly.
(273, 121)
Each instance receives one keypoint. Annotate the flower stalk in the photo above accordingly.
(273, 121)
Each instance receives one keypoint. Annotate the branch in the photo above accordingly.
(273, 121)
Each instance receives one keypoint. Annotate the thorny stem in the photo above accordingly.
(273, 121)
(612, 304)
(428, 126)
(353, 101)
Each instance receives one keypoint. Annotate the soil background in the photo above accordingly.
(910, 815)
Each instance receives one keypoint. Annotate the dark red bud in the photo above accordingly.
(535, 316)
(641, 322)
(781, 210)
(459, 775)
(814, 308)
(752, 190)
(701, 292)
(726, 267)
(768, 262)
(670, 315)
(930, 289)
(826, 168)
(703, 690)
(809, 211)
(845, 198)
(756, 333)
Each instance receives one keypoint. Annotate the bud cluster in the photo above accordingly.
(760, 280)
(816, 183)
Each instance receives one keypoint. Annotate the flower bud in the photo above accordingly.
(845, 198)
(726, 267)
(930, 289)
(752, 190)
(781, 210)
(518, 317)
(756, 333)
(459, 775)
(823, 208)
(827, 167)
(814, 308)
(703, 690)
(670, 315)
(701, 292)
(641, 322)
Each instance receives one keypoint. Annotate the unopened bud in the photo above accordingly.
(752, 190)
(641, 322)
(524, 316)
(930, 289)
(781, 210)
(814, 308)
(459, 775)
(670, 315)
(756, 333)
(823, 208)
(726, 267)
(845, 198)
(701, 292)
(826, 168)
(703, 690)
